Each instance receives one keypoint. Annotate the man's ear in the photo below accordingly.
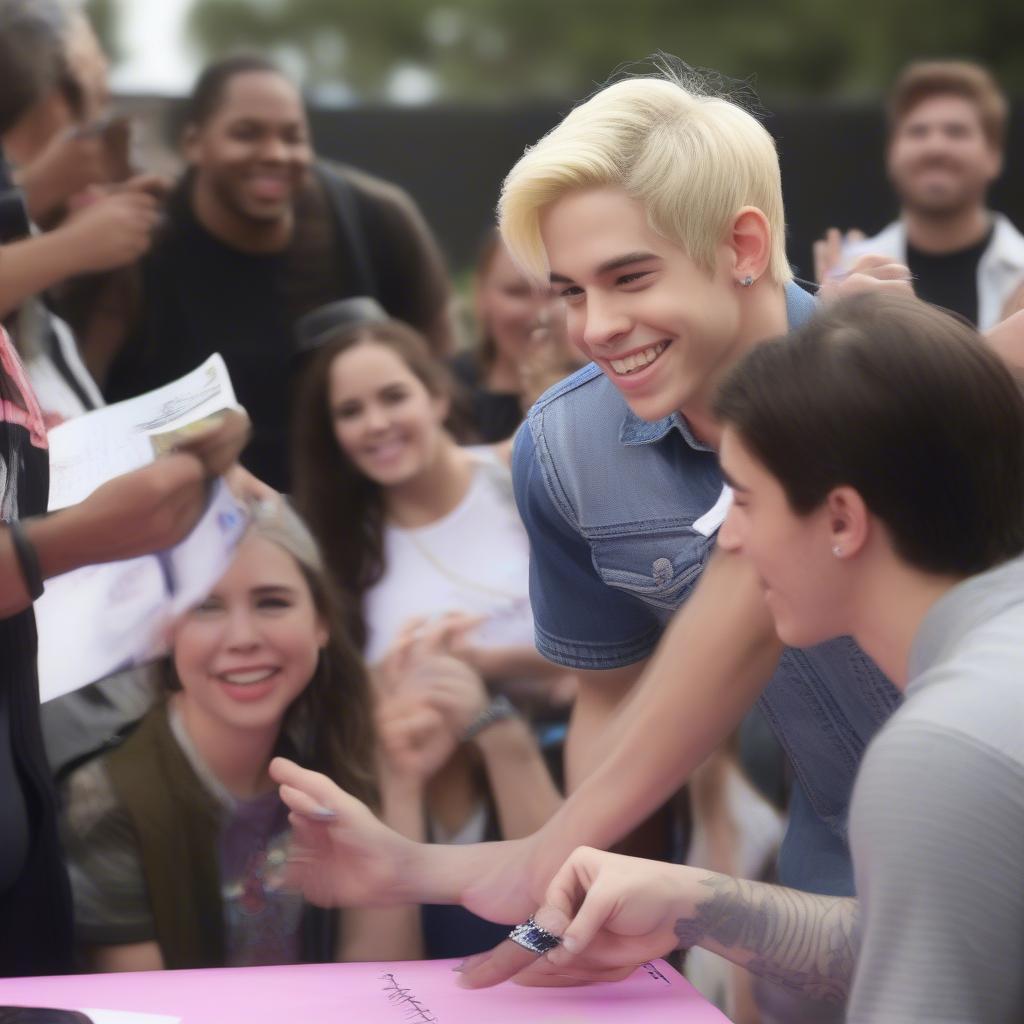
(849, 521)
(750, 242)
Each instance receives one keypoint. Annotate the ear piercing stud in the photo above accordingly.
(837, 551)
(746, 282)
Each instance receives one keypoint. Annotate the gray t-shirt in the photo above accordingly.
(937, 821)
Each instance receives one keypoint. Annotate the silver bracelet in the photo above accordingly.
(497, 711)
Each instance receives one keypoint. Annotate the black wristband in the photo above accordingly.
(27, 559)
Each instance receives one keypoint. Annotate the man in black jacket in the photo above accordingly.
(258, 233)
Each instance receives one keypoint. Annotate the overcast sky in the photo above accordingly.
(156, 58)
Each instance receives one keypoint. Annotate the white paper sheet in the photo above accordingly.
(91, 449)
(103, 618)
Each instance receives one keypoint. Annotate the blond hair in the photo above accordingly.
(693, 161)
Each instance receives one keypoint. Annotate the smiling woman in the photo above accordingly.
(174, 838)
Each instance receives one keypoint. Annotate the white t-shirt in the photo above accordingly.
(474, 560)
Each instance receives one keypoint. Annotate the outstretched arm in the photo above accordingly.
(710, 667)
(712, 664)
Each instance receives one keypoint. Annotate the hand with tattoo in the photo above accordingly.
(614, 913)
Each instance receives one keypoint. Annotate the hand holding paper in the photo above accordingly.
(145, 539)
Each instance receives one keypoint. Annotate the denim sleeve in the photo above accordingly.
(579, 621)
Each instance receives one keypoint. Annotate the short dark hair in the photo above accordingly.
(927, 78)
(907, 405)
(208, 92)
(33, 55)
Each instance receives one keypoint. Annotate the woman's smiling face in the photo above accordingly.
(249, 650)
(385, 420)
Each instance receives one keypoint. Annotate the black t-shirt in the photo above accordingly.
(949, 279)
(496, 415)
(200, 296)
(35, 918)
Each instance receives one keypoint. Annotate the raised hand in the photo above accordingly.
(414, 739)
(110, 232)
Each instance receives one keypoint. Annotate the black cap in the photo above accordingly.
(313, 329)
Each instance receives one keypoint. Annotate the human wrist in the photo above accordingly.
(432, 872)
(509, 735)
(71, 252)
(58, 541)
(499, 709)
(688, 888)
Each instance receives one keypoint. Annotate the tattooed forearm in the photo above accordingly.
(795, 939)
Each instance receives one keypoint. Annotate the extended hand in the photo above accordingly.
(341, 854)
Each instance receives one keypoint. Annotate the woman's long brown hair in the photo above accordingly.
(345, 509)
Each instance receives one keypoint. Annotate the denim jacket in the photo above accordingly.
(615, 508)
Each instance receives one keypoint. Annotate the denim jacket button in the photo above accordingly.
(661, 570)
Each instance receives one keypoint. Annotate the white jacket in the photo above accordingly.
(1000, 269)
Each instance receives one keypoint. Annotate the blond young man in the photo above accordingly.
(656, 213)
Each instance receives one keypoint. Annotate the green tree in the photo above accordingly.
(486, 50)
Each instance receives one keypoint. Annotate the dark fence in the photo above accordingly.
(452, 160)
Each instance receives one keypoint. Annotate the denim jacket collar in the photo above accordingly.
(635, 431)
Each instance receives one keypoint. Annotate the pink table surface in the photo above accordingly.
(422, 992)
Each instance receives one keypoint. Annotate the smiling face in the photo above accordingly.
(385, 420)
(805, 585)
(940, 160)
(508, 305)
(250, 649)
(253, 153)
(661, 328)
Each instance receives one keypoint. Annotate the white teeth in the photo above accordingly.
(247, 678)
(638, 360)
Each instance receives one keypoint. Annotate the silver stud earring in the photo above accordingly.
(746, 282)
(837, 551)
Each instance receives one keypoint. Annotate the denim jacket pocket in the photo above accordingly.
(655, 563)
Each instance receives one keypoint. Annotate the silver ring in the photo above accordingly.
(531, 936)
